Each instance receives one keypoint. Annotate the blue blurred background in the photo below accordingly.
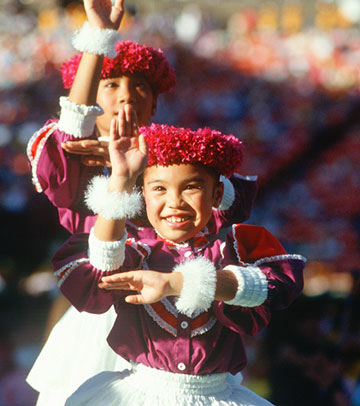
(284, 77)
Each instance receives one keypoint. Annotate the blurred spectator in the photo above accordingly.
(306, 359)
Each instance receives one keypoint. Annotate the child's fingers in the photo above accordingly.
(92, 161)
(143, 147)
(124, 277)
(117, 12)
(134, 299)
(115, 285)
(122, 123)
(118, 4)
(114, 130)
(80, 147)
(129, 120)
(135, 123)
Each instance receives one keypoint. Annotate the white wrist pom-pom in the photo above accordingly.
(252, 287)
(229, 194)
(96, 41)
(112, 205)
(199, 285)
(106, 255)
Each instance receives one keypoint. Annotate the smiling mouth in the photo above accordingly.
(176, 219)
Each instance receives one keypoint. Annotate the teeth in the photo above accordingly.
(174, 219)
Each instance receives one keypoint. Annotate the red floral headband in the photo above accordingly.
(130, 58)
(172, 146)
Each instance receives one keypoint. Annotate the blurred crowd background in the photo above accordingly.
(284, 77)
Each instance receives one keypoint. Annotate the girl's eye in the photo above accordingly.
(111, 84)
(158, 188)
(142, 86)
(190, 187)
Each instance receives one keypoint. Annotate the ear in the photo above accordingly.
(218, 194)
(154, 106)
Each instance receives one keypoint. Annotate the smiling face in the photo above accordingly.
(114, 93)
(179, 199)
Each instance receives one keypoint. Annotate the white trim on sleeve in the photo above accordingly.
(252, 287)
(78, 120)
(106, 255)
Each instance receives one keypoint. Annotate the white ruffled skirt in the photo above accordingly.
(75, 351)
(144, 386)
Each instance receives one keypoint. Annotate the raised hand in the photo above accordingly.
(152, 286)
(127, 150)
(102, 14)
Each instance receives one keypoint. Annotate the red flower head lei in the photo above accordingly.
(130, 58)
(173, 146)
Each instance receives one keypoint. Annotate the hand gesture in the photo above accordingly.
(94, 152)
(152, 286)
(102, 14)
(127, 149)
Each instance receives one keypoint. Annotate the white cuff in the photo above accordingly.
(106, 255)
(199, 285)
(96, 41)
(229, 194)
(252, 286)
(112, 205)
(78, 120)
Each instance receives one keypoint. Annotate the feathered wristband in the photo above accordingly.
(199, 285)
(96, 41)
(112, 205)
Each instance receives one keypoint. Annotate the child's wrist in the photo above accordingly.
(120, 184)
(97, 41)
(175, 284)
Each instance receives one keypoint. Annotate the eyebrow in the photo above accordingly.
(194, 179)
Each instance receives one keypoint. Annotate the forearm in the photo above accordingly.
(109, 229)
(85, 86)
(226, 285)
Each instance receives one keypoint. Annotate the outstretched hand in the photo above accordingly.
(152, 286)
(102, 14)
(93, 152)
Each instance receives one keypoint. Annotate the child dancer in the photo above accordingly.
(66, 153)
(194, 295)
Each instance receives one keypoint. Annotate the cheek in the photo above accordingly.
(152, 205)
(201, 204)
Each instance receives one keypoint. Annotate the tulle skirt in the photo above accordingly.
(144, 386)
(75, 351)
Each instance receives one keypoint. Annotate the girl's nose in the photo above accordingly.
(127, 98)
(175, 200)
(126, 94)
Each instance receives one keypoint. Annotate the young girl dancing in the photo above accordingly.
(66, 153)
(195, 296)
